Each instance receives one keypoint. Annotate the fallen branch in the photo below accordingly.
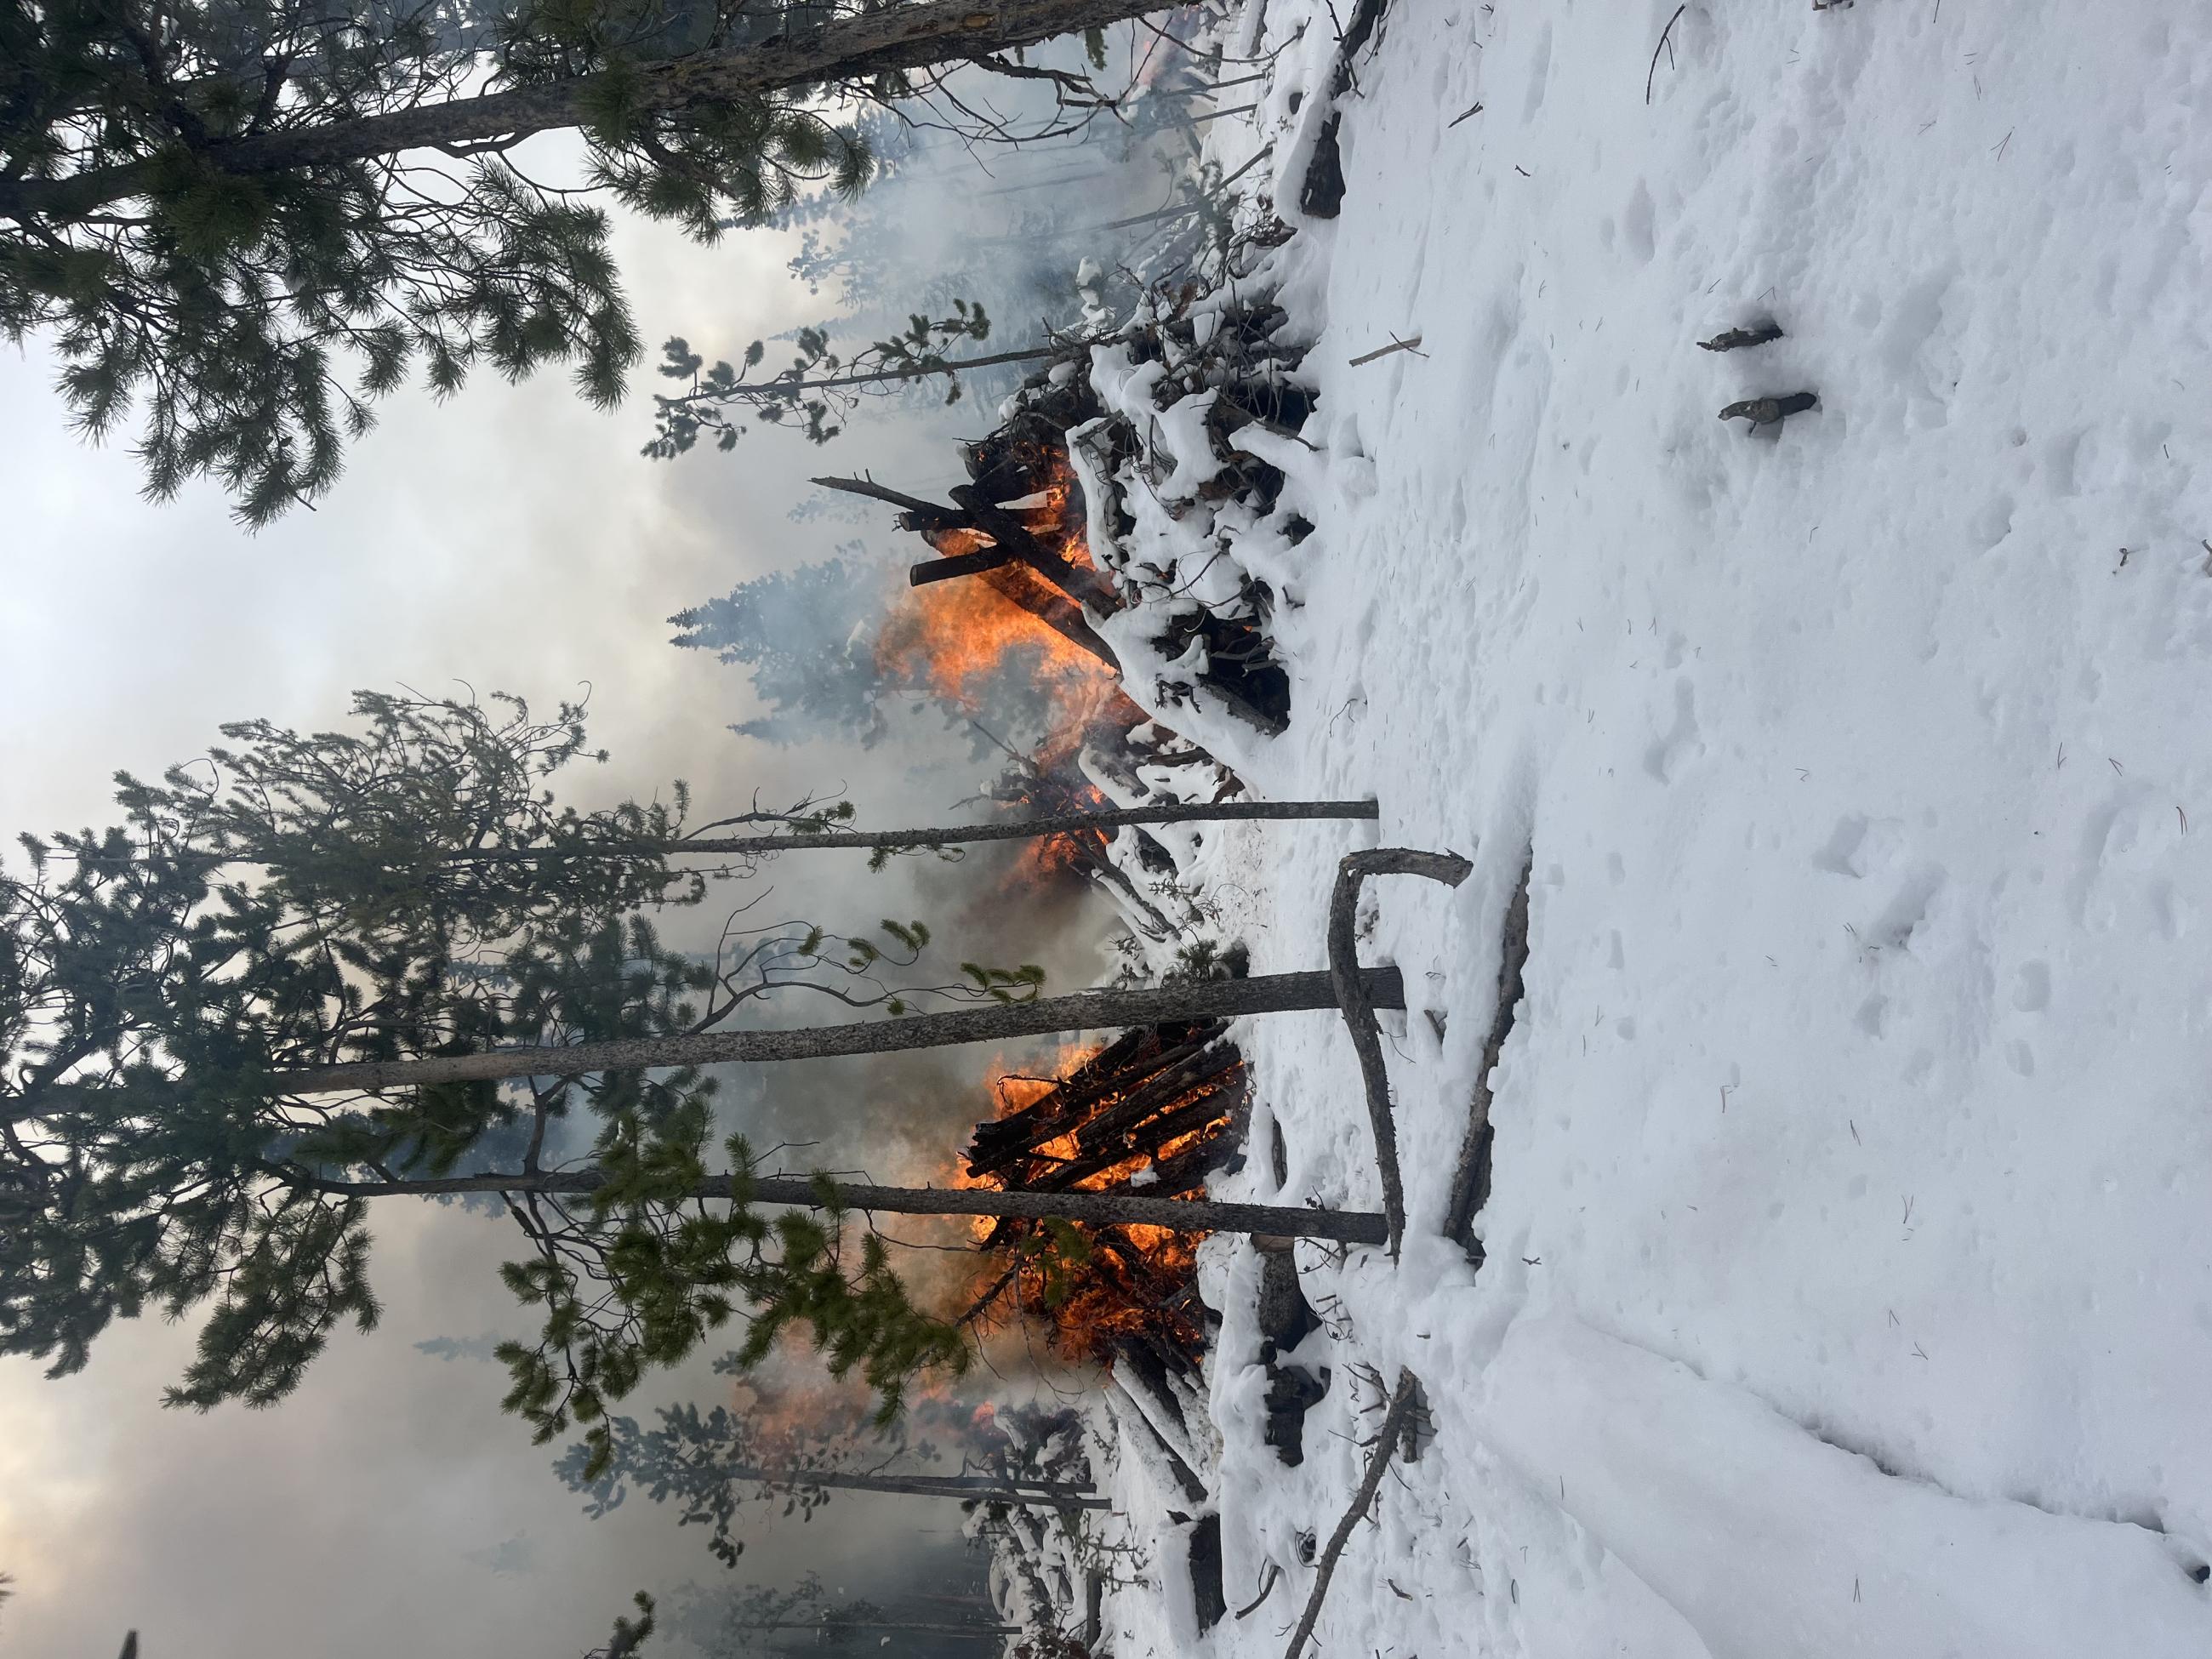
(1660, 48)
(1344, 972)
(1268, 1581)
(1462, 116)
(1470, 1182)
(1413, 346)
(1385, 1443)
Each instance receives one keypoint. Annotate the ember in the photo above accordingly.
(1153, 1111)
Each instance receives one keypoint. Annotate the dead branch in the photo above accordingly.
(1385, 1443)
(1359, 1014)
(1268, 1581)
(1660, 48)
(982, 1304)
(1413, 346)
(1470, 1182)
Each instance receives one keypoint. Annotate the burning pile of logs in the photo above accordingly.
(1155, 1111)
(1019, 526)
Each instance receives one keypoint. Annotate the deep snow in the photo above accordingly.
(1848, 1285)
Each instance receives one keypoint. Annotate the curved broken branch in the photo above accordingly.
(1343, 973)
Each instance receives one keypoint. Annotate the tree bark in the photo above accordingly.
(892, 1623)
(782, 388)
(1208, 999)
(1097, 1209)
(905, 36)
(1064, 823)
(1045, 1493)
(1346, 975)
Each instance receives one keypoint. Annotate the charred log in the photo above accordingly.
(1293, 1391)
(1206, 1590)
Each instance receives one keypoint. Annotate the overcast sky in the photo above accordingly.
(512, 538)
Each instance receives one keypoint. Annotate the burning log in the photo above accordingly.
(974, 523)
(1152, 1113)
(952, 565)
(1152, 1086)
(1056, 589)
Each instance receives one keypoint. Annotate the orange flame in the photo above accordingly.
(1121, 1279)
(949, 637)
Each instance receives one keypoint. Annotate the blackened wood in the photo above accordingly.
(1284, 1316)
(1191, 1114)
(1150, 1095)
(951, 566)
(1206, 1594)
(1059, 614)
(1186, 1172)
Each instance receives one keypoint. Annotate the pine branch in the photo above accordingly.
(850, 50)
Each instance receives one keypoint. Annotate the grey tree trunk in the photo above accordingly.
(934, 1629)
(1098, 1209)
(1064, 823)
(1208, 999)
(905, 36)
(1046, 1494)
(772, 389)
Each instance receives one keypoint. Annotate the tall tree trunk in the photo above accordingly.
(905, 36)
(1206, 998)
(1096, 1209)
(1046, 1494)
(772, 389)
(934, 1629)
(1063, 824)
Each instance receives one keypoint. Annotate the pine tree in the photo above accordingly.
(242, 227)
(705, 1462)
(179, 993)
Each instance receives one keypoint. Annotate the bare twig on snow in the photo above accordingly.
(1386, 1442)
(1660, 48)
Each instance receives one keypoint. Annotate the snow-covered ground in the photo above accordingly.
(1848, 1285)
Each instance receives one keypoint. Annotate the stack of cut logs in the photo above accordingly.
(1155, 1111)
(1157, 1100)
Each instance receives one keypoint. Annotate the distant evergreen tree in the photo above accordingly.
(808, 638)
(240, 225)
(819, 644)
